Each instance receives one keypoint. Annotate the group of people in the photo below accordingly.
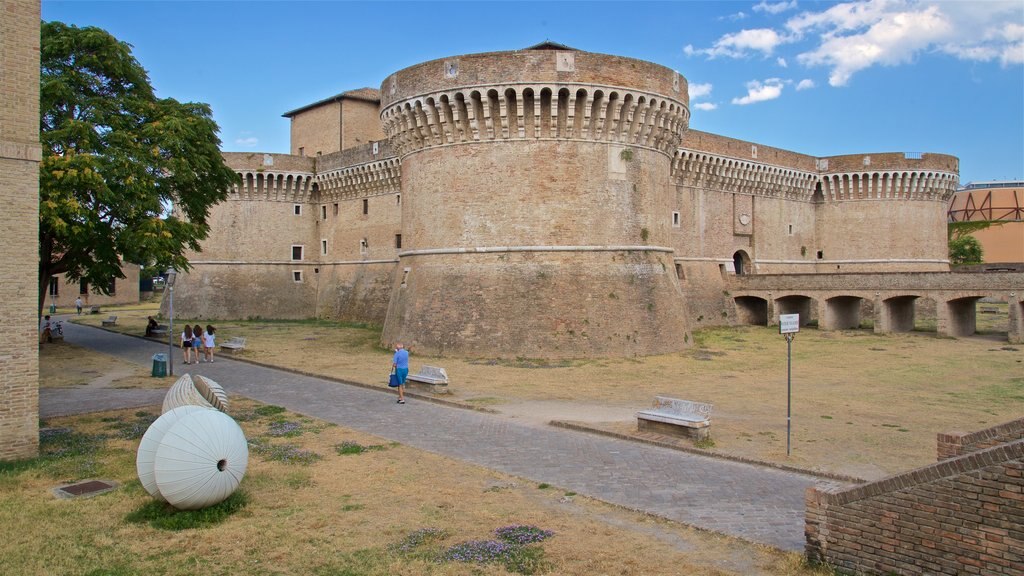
(195, 340)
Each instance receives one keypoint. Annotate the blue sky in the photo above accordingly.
(820, 78)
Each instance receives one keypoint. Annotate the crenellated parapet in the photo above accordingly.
(718, 163)
(928, 185)
(272, 177)
(536, 112)
(534, 95)
(698, 169)
(368, 179)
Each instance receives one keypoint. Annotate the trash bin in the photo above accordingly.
(159, 365)
(53, 308)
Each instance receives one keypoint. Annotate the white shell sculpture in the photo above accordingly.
(195, 391)
(146, 455)
(201, 460)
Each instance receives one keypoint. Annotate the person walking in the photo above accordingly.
(208, 342)
(197, 342)
(400, 364)
(186, 343)
(78, 305)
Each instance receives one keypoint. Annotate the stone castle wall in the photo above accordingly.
(530, 182)
(563, 162)
(19, 227)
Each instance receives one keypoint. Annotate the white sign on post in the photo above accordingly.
(789, 323)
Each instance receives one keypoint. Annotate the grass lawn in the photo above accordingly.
(324, 500)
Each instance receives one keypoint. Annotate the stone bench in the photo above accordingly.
(431, 378)
(676, 417)
(111, 321)
(430, 375)
(160, 330)
(233, 345)
(94, 309)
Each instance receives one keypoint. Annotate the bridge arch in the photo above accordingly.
(795, 304)
(841, 313)
(751, 310)
(896, 314)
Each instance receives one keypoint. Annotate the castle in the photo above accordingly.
(545, 202)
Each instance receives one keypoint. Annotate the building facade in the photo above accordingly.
(1001, 205)
(20, 155)
(544, 202)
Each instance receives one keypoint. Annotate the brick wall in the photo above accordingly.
(19, 227)
(953, 444)
(964, 515)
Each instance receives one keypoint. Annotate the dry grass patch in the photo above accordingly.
(864, 405)
(387, 509)
(64, 365)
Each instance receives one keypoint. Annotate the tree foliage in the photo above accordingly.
(115, 159)
(965, 250)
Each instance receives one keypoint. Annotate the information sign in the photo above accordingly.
(789, 323)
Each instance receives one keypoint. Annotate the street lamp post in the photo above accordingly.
(172, 275)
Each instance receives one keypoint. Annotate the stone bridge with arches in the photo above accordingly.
(893, 301)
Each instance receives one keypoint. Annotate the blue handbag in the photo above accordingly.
(393, 381)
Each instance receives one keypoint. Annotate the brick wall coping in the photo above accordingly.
(983, 281)
(968, 438)
(832, 494)
(499, 249)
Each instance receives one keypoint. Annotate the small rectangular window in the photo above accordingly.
(366, 206)
(296, 252)
(297, 275)
(679, 272)
(323, 246)
(335, 208)
(323, 212)
(398, 240)
(83, 287)
(790, 229)
(363, 246)
(675, 219)
(112, 288)
(297, 209)
(302, 151)
(821, 254)
(54, 288)
(398, 199)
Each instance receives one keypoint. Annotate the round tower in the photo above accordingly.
(534, 187)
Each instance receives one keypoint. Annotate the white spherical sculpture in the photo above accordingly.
(195, 391)
(201, 460)
(146, 456)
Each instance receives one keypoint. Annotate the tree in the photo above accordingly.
(965, 250)
(115, 160)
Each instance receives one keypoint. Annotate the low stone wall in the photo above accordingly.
(953, 444)
(964, 515)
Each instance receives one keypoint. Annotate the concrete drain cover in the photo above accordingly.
(84, 489)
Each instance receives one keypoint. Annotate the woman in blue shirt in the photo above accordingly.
(400, 364)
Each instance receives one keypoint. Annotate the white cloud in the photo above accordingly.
(781, 62)
(737, 16)
(705, 106)
(893, 39)
(776, 8)
(854, 36)
(699, 90)
(739, 44)
(805, 84)
(758, 91)
(248, 142)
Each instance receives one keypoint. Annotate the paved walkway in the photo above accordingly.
(754, 503)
